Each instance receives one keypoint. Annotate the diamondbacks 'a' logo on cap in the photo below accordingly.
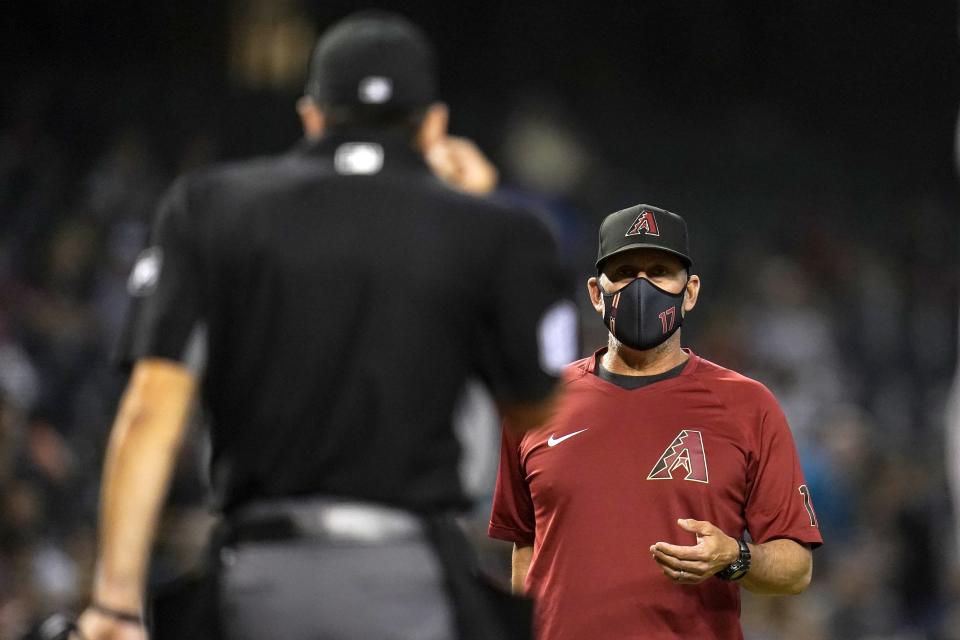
(646, 223)
(686, 455)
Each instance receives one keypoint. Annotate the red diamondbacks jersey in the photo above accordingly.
(611, 474)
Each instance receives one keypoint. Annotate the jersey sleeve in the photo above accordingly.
(512, 518)
(779, 504)
(165, 319)
(531, 331)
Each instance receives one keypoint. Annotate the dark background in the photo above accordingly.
(810, 145)
(800, 96)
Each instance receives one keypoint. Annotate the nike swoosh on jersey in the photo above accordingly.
(552, 442)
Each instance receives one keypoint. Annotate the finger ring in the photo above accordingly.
(680, 577)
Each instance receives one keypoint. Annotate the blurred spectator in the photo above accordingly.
(124, 182)
(792, 345)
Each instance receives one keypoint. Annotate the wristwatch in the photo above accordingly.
(739, 567)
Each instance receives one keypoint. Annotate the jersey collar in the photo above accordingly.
(397, 148)
(589, 365)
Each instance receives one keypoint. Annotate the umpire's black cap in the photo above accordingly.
(643, 226)
(374, 59)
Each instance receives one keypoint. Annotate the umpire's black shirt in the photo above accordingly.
(340, 296)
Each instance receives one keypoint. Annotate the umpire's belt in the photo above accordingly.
(325, 519)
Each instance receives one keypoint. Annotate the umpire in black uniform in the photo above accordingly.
(326, 307)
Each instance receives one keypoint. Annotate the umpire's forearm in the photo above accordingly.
(139, 463)
(520, 566)
(779, 567)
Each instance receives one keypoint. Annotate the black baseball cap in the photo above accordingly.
(643, 226)
(373, 59)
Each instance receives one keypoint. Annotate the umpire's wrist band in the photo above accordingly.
(116, 614)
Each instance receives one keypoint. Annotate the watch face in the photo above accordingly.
(734, 570)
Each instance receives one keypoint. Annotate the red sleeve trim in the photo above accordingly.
(813, 538)
(500, 532)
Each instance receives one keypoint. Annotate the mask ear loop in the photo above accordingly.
(604, 295)
(609, 308)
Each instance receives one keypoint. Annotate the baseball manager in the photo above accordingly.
(664, 482)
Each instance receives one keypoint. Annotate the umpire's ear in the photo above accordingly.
(314, 122)
(433, 127)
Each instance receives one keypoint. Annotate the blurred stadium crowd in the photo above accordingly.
(844, 306)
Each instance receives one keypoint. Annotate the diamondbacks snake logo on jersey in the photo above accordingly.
(685, 452)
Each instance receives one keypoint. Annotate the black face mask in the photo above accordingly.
(641, 315)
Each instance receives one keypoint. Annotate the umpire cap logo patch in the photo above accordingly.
(358, 158)
(375, 90)
(146, 273)
(646, 223)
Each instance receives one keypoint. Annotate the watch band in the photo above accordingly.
(122, 616)
(739, 567)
